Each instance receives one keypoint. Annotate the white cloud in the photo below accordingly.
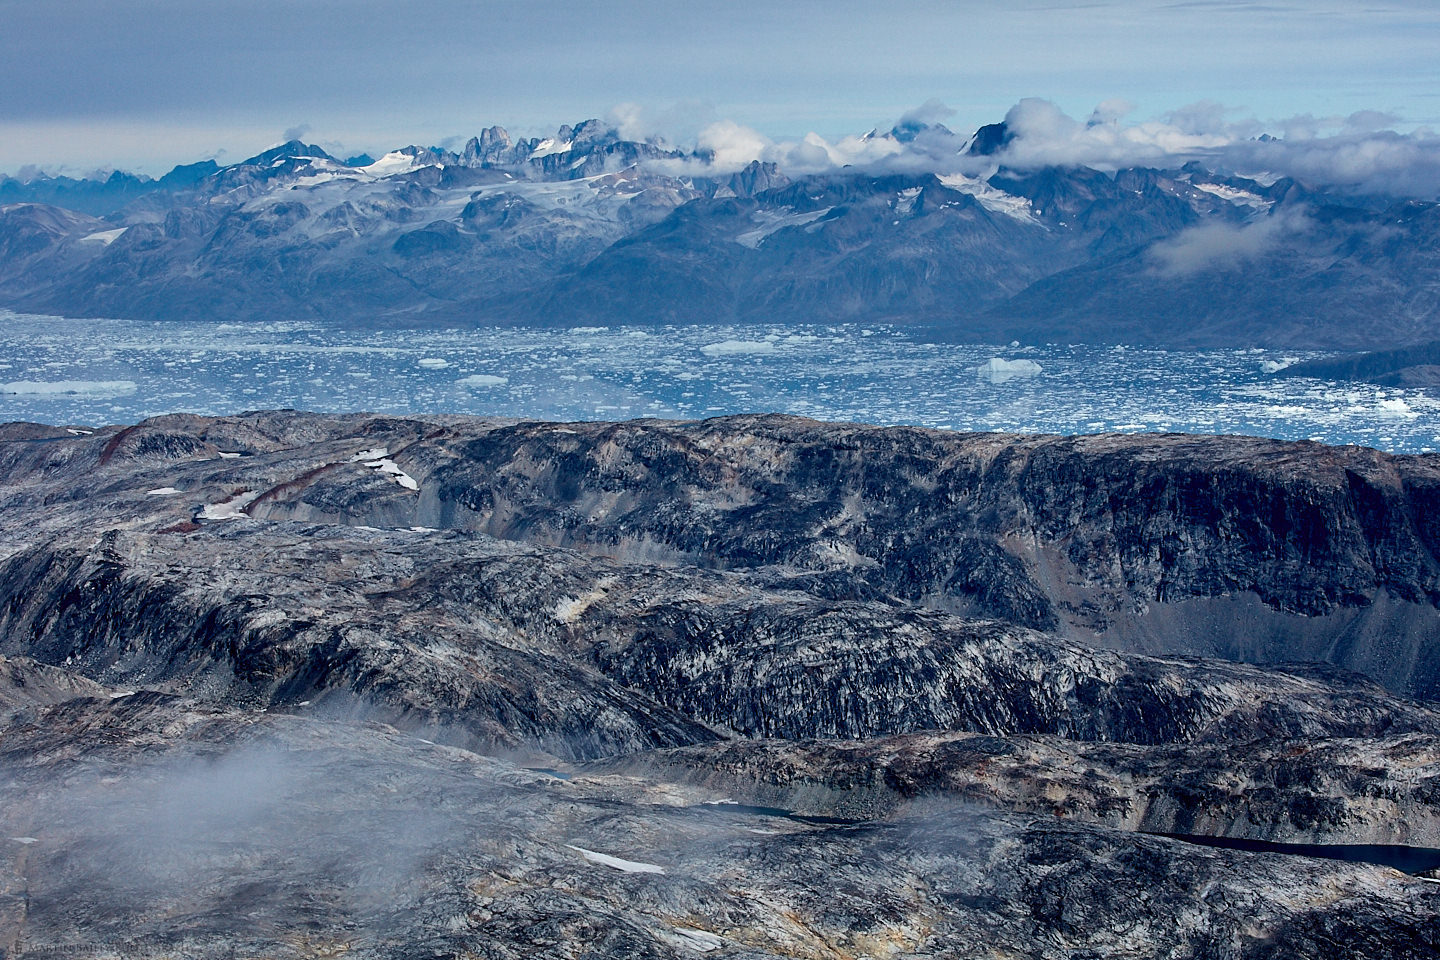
(731, 146)
(1044, 135)
(1211, 246)
(1357, 152)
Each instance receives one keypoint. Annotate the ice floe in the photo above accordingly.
(735, 348)
(997, 370)
(1395, 406)
(482, 380)
(96, 388)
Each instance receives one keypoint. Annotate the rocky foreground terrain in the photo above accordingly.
(293, 685)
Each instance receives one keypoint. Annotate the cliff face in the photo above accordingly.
(1234, 547)
(299, 627)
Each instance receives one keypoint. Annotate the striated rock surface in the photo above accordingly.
(1233, 547)
(1380, 790)
(150, 826)
(289, 684)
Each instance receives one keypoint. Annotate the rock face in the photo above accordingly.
(1233, 547)
(161, 826)
(751, 687)
(1417, 366)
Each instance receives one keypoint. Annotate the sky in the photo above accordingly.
(101, 84)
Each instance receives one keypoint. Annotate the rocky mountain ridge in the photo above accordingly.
(587, 227)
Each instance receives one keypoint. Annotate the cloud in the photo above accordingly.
(1110, 111)
(932, 111)
(1379, 162)
(1044, 135)
(681, 121)
(296, 132)
(1360, 152)
(1217, 246)
(730, 146)
(726, 146)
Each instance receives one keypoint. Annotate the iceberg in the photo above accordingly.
(997, 370)
(482, 380)
(95, 388)
(734, 348)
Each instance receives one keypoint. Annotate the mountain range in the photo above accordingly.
(587, 227)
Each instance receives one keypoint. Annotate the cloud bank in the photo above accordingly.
(1361, 152)
(1216, 245)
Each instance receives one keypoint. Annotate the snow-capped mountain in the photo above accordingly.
(587, 227)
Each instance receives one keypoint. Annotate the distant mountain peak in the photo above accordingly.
(288, 149)
(990, 140)
(907, 130)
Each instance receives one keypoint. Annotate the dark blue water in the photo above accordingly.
(1408, 859)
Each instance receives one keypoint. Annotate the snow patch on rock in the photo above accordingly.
(628, 866)
(232, 509)
(392, 470)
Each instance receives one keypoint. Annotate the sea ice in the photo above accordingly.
(482, 380)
